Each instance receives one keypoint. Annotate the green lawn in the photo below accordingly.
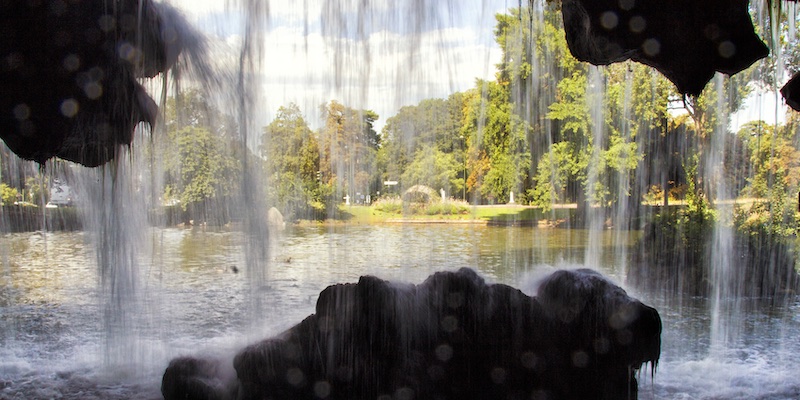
(496, 214)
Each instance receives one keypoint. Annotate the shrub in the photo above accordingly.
(389, 204)
(8, 194)
(450, 207)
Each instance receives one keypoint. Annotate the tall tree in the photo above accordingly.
(205, 171)
(348, 151)
(200, 168)
(291, 153)
(498, 154)
(434, 168)
(428, 131)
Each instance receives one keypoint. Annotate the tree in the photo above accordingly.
(555, 172)
(774, 159)
(200, 158)
(292, 158)
(562, 173)
(427, 131)
(434, 168)
(348, 151)
(192, 108)
(498, 155)
(206, 170)
(8, 195)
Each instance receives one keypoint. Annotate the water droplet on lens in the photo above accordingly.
(22, 112)
(609, 20)
(69, 108)
(444, 352)
(498, 375)
(651, 47)
(295, 376)
(727, 49)
(449, 324)
(322, 389)
(580, 359)
(637, 24)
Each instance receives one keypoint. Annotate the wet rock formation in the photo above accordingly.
(791, 92)
(686, 40)
(452, 336)
(191, 378)
(68, 74)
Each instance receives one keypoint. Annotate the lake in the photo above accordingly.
(60, 339)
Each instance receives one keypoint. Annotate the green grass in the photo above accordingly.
(496, 214)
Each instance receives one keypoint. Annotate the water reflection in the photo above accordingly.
(194, 302)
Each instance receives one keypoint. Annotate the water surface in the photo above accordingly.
(54, 343)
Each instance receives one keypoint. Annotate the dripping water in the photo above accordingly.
(724, 278)
(595, 204)
(115, 197)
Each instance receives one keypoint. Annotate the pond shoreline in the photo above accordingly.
(28, 218)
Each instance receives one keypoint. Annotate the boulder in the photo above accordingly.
(68, 74)
(195, 379)
(686, 40)
(452, 336)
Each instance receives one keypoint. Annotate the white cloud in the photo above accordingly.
(381, 61)
(760, 106)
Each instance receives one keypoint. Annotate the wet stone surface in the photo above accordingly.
(452, 336)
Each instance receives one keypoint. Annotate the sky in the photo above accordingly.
(381, 57)
(377, 54)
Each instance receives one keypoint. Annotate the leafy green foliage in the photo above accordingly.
(8, 195)
(423, 144)
(348, 151)
(292, 156)
(201, 167)
(389, 204)
(775, 178)
(497, 141)
(206, 169)
(434, 168)
(35, 188)
(775, 160)
(564, 164)
(449, 207)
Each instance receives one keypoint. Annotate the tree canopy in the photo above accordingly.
(548, 128)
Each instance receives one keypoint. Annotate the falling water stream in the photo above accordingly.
(98, 313)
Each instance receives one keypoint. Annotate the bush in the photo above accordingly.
(8, 194)
(674, 254)
(766, 219)
(675, 251)
(450, 207)
(394, 205)
(389, 204)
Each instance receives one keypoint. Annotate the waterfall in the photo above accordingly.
(604, 155)
(595, 204)
(725, 279)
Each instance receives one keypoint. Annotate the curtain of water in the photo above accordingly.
(541, 92)
(725, 280)
(622, 221)
(253, 205)
(595, 205)
(116, 220)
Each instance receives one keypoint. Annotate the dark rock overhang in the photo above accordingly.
(69, 75)
(686, 40)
